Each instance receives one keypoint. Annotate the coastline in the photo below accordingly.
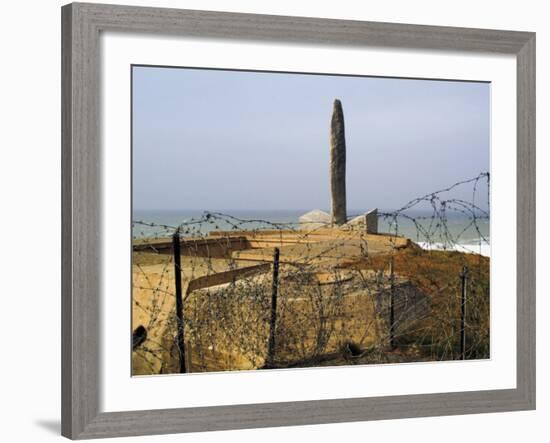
(483, 249)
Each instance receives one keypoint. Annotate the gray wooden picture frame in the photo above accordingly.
(81, 207)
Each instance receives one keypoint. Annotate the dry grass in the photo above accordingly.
(437, 273)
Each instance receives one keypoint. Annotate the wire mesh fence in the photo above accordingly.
(220, 292)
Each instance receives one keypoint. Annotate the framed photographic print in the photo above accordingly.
(273, 221)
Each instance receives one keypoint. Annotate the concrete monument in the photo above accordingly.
(338, 164)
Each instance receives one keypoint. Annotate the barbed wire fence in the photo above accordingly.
(219, 292)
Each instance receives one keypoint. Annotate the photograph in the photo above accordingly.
(274, 221)
(290, 220)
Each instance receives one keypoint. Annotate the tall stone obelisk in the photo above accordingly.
(338, 164)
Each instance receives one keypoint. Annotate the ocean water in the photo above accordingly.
(453, 230)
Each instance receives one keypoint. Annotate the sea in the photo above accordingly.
(461, 231)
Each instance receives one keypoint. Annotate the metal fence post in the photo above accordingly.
(179, 300)
(463, 281)
(392, 309)
(273, 319)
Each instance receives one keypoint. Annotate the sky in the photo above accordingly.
(216, 139)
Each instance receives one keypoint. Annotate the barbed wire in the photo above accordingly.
(335, 288)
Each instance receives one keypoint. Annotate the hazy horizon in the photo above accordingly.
(239, 140)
